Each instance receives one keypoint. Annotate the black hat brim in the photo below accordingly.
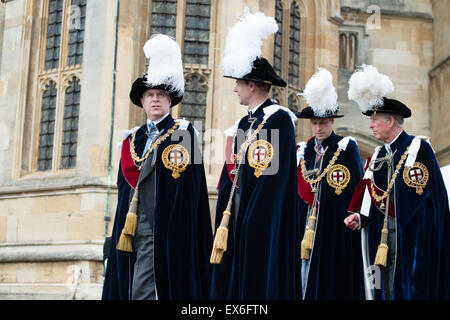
(262, 72)
(308, 113)
(140, 86)
(391, 106)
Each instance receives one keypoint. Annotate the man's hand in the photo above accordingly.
(352, 221)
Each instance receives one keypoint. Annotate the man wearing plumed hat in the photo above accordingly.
(256, 246)
(401, 203)
(329, 168)
(162, 234)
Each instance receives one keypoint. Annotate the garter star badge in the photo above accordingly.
(176, 158)
(338, 177)
(260, 154)
(416, 176)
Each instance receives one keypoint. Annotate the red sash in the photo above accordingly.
(358, 195)
(129, 169)
(304, 188)
(229, 161)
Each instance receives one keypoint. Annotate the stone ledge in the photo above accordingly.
(52, 251)
(13, 291)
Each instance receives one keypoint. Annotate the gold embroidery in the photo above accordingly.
(338, 177)
(324, 172)
(259, 155)
(156, 143)
(176, 158)
(391, 183)
(416, 177)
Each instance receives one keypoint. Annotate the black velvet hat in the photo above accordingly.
(308, 113)
(390, 106)
(164, 72)
(140, 85)
(262, 72)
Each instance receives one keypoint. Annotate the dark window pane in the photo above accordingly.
(53, 33)
(76, 32)
(164, 17)
(70, 126)
(294, 46)
(278, 39)
(47, 124)
(193, 107)
(196, 34)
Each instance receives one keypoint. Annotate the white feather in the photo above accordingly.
(367, 87)
(320, 93)
(165, 64)
(244, 41)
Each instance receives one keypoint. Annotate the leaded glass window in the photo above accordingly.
(196, 32)
(55, 17)
(164, 17)
(47, 127)
(294, 46)
(70, 127)
(278, 40)
(76, 32)
(194, 102)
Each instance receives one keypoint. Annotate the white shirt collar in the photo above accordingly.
(155, 122)
(387, 146)
(256, 108)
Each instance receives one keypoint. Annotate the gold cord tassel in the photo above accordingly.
(130, 225)
(129, 228)
(125, 243)
(308, 237)
(381, 256)
(304, 251)
(309, 232)
(220, 239)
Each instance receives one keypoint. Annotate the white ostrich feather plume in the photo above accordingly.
(367, 87)
(244, 41)
(320, 93)
(165, 64)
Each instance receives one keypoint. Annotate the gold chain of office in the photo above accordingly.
(156, 143)
(324, 172)
(391, 183)
(246, 143)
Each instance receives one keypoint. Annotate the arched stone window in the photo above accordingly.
(47, 127)
(61, 58)
(70, 125)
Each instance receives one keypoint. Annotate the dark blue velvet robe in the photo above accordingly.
(335, 268)
(263, 249)
(423, 238)
(182, 227)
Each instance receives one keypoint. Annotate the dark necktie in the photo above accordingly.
(151, 136)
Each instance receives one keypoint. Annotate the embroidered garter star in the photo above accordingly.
(338, 177)
(260, 154)
(416, 176)
(176, 158)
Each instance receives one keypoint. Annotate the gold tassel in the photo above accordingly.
(304, 251)
(221, 238)
(130, 225)
(309, 231)
(309, 239)
(381, 256)
(216, 256)
(125, 243)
